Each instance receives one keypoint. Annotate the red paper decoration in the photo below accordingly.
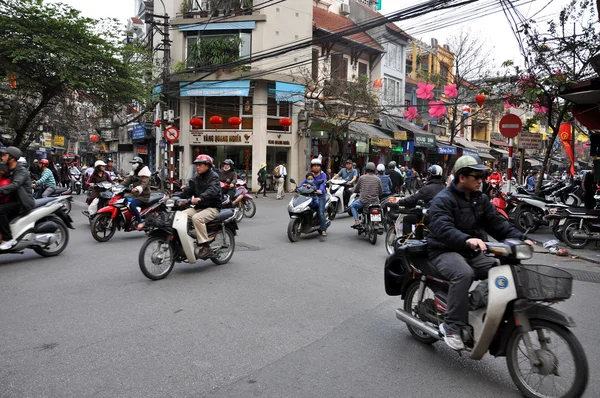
(235, 122)
(285, 122)
(480, 99)
(94, 138)
(157, 123)
(215, 120)
(196, 122)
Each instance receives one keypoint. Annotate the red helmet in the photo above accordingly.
(204, 159)
(45, 162)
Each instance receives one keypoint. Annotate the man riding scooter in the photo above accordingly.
(20, 192)
(369, 189)
(350, 175)
(460, 218)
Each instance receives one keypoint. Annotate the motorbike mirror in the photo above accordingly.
(292, 181)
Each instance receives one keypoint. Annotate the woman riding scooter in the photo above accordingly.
(140, 194)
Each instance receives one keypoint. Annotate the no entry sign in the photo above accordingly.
(171, 134)
(510, 125)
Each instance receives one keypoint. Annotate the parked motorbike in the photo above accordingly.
(45, 229)
(63, 193)
(371, 221)
(116, 214)
(75, 182)
(337, 188)
(105, 194)
(173, 240)
(509, 316)
(580, 226)
(304, 218)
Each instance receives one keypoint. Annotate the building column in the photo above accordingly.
(259, 129)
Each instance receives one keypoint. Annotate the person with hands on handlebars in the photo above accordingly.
(460, 218)
(320, 179)
(140, 194)
(350, 175)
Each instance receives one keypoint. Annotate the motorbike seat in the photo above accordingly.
(223, 215)
(155, 197)
(59, 191)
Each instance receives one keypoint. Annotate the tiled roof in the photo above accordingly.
(137, 21)
(331, 22)
(390, 25)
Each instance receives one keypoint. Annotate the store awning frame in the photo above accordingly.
(463, 142)
(376, 136)
(222, 88)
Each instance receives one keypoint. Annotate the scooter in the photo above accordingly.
(242, 200)
(579, 227)
(509, 316)
(337, 188)
(105, 194)
(173, 239)
(63, 193)
(371, 221)
(45, 229)
(304, 218)
(75, 182)
(395, 231)
(116, 215)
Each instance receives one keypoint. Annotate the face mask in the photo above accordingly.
(135, 165)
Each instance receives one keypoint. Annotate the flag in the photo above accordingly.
(12, 80)
(564, 132)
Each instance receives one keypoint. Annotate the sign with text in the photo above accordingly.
(59, 140)
(138, 131)
(400, 135)
(142, 149)
(240, 138)
(279, 139)
(381, 142)
(47, 139)
(530, 141)
(424, 140)
(447, 150)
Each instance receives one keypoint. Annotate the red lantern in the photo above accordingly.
(157, 123)
(480, 98)
(378, 83)
(94, 138)
(235, 122)
(215, 120)
(285, 123)
(196, 123)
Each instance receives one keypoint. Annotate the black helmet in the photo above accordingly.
(349, 161)
(370, 167)
(13, 151)
(229, 162)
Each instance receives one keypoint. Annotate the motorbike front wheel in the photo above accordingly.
(66, 204)
(78, 190)
(294, 229)
(390, 240)
(331, 210)
(554, 346)
(572, 227)
(249, 208)
(156, 258)
(62, 239)
(223, 246)
(239, 216)
(557, 231)
(102, 230)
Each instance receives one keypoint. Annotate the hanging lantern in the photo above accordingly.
(285, 123)
(480, 99)
(466, 111)
(196, 123)
(215, 120)
(235, 122)
(157, 123)
(378, 83)
(94, 138)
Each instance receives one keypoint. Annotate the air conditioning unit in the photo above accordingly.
(344, 9)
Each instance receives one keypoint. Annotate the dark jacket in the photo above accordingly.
(426, 194)
(229, 176)
(141, 184)
(454, 219)
(206, 187)
(95, 178)
(20, 188)
(396, 178)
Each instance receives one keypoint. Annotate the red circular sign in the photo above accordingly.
(510, 125)
(171, 134)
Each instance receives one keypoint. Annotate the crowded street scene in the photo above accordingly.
(299, 198)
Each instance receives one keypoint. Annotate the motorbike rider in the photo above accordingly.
(75, 173)
(386, 181)
(433, 186)
(35, 171)
(229, 177)
(97, 176)
(320, 180)
(140, 194)
(113, 171)
(20, 191)
(350, 175)
(46, 184)
(461, 216)
(395, 176)
(369, 189)
(206, 196)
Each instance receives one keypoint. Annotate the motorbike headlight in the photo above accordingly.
(523, 252)
(170, 203)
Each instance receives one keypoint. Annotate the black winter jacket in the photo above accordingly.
(454, 219)
(396, 178)
(206, 187)
(426, 194)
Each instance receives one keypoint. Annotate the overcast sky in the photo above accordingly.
(494, 28)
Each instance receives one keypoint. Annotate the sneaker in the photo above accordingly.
(9, 244)
(323, 233)
(452, 340)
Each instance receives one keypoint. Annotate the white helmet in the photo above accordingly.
(22, 160)
(380, 167)
(315, 161)
(99, 163)
(435, 170)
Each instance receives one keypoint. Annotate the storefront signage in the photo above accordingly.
(530, 141)
(400, 135)
(278, 142)
(381, 142)
(138, 131)
(47, 139)
(279, 139)
(446, 150)
(106, 135)
(142, 149)
(241, 138)
(424, 140)
(470, 153)
(103, 147)
(59, 140)
(114, 146)
(233, 88)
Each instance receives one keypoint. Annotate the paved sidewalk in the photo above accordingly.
(591, 253)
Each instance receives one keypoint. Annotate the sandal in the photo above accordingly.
(140, 226)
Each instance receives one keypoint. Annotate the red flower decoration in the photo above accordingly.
(450, 91)
(437, 109)
(425, 91)
(411, 113)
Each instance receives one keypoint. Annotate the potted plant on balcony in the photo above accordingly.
(186, 9)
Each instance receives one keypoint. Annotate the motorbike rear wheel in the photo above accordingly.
(372, 234)
(62, 239)
(224, 246)
(100, 228)
(294, 229)
(249, 207)
(410, 302)
(569, 229)
(66, 204)
(331, 210)
(520, 220)
(532, 379)
(157, 258)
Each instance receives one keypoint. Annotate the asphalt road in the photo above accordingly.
(308, 319)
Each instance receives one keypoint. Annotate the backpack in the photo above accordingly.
(276, 172)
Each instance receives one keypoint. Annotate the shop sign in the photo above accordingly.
(279, 139)
(104, 148)
(138, 131)
(59, 140)
(447, 150)
(47, 140)
(223, 139)
(381, 142)
(400, 135)
(424, 140)
(142, 149)
(114, 146)
(278, 142)
(530, 141)
(470, 153)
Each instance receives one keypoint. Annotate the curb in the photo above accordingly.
(582, 257)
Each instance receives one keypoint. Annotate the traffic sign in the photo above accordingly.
(510, 125)
(171, 134)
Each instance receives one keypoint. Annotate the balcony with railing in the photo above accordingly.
(198, 9)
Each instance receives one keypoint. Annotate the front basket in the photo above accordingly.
(543, 283)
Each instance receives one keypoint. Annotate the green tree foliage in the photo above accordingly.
(60, 57)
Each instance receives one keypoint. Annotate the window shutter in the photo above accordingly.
(336, 66)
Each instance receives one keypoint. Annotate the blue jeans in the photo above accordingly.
(133, 205)
(322, 202)
(355, 207)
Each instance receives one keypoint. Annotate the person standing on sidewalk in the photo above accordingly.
(280, 174)
(262, 180)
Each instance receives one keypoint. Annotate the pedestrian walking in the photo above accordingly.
(65, 175)
(262, 180)
(279, 174)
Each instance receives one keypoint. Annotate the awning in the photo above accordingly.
(501, 151)
(288, 92)
(218, 26)
(465, 143)
(230, 88)
(499, 143)
(533, 162)
(484, 155)
(481, 146)
(377, 137)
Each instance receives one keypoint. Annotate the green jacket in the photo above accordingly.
(262, 173)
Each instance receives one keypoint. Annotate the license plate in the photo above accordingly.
(375, 217)
(561, 222)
